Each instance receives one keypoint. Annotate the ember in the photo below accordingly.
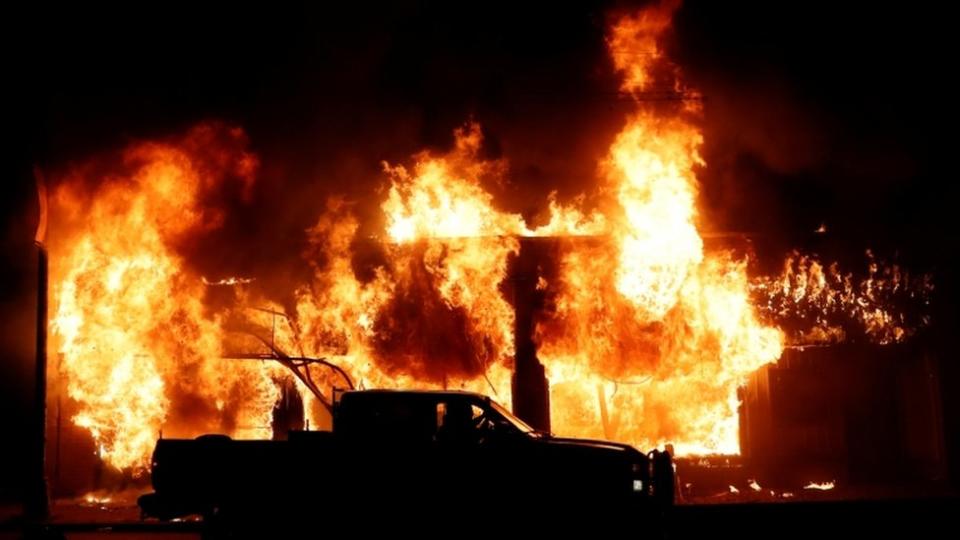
(820, 486)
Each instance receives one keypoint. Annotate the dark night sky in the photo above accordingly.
(814, 113)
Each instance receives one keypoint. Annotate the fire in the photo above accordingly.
(130, 326)
(821, 304)
(227, 282)
(651, 165)
(821, 486)
(646, 334)
(433, 314)
(444, 198)
(635, 47)
(97, 500)
(624, 358)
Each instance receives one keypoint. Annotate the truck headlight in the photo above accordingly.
(638, 485)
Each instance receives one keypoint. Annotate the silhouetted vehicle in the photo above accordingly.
(448, 454)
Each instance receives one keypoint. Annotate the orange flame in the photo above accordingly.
(129, 320)
(433, 314)
(635, 44)
(824, 305)
(676, 321)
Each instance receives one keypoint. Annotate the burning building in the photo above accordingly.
(618, 312)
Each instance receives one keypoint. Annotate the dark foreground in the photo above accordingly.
(918, 518)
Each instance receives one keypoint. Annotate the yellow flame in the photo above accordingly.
(821, 302)
(129, 321)
(664, 349)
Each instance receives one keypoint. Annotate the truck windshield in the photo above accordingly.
(509, 417)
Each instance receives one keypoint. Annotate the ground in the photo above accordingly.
(914, 518)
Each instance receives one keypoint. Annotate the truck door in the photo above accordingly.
(462, 462)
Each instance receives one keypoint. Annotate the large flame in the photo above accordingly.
(651, 167)
(433, 314)
(135, 340)
(626, 351)
(656, 354)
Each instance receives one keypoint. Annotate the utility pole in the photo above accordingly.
(38, 503)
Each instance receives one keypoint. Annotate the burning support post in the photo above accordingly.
(531, 390)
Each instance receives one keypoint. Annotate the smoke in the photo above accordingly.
(812, 113)
(819, 114)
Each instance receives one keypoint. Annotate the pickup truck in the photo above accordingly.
(406, 451)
